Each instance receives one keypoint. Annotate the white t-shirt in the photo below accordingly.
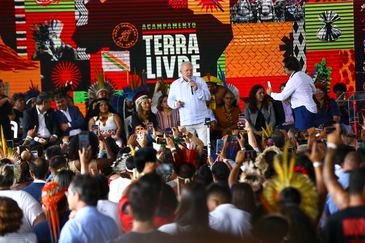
(19, 238)
(110, 209)
(226, 218)
(117, 187)
(30, 207)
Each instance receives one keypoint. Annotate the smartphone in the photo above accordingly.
(150, 128)
(232, 138)
(34, 153)
(161, 140)
(168, 131)
(219, 146)
(83, 140)
(156, 146)
(241, 121)
(95, 129)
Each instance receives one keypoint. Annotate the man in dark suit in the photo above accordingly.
(68, 117)
(43, 119)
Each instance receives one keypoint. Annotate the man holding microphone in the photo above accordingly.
(189, 95)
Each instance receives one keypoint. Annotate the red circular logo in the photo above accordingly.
(125, 35)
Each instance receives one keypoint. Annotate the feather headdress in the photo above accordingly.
(286, 177)
(52, 193)
(5, 152)
(267, 130)
(252, 175)
(99, 85)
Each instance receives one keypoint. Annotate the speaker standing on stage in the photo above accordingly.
(189, 95)
(300, 89)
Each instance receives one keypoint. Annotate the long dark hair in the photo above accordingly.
(192, 210)
(252, 98)
(159, 103)
(243, 197)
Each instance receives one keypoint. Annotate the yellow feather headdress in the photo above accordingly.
(267, 130)
(100, 84)
(286, 177)
(10, 154)
(5, 152)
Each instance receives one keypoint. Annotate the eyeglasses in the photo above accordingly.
(228, 98)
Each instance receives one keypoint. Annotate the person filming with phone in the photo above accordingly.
(300, 89)
(189, 95)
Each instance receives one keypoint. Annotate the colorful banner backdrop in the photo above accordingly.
(243, 42)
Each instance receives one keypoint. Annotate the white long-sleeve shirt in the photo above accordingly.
(195, 109)
(300, 89)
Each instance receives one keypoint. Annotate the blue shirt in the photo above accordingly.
(344, 180)
(195, 108)
(35, 189)
(89, 225)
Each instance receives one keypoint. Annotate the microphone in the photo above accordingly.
(191, 87)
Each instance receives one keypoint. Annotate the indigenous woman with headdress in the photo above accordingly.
(143, 115)
(101, 89)
(108, 124)
(295, 196)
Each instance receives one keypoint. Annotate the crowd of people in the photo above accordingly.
(184, 164)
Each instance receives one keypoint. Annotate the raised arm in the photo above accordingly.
(339, 195)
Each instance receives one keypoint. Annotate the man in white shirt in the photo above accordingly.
(42, 118)
(189, 95)
(224, 217)
(300, 89)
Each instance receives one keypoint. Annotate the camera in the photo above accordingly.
(161, 140)
(207, 121)
(241, 121)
